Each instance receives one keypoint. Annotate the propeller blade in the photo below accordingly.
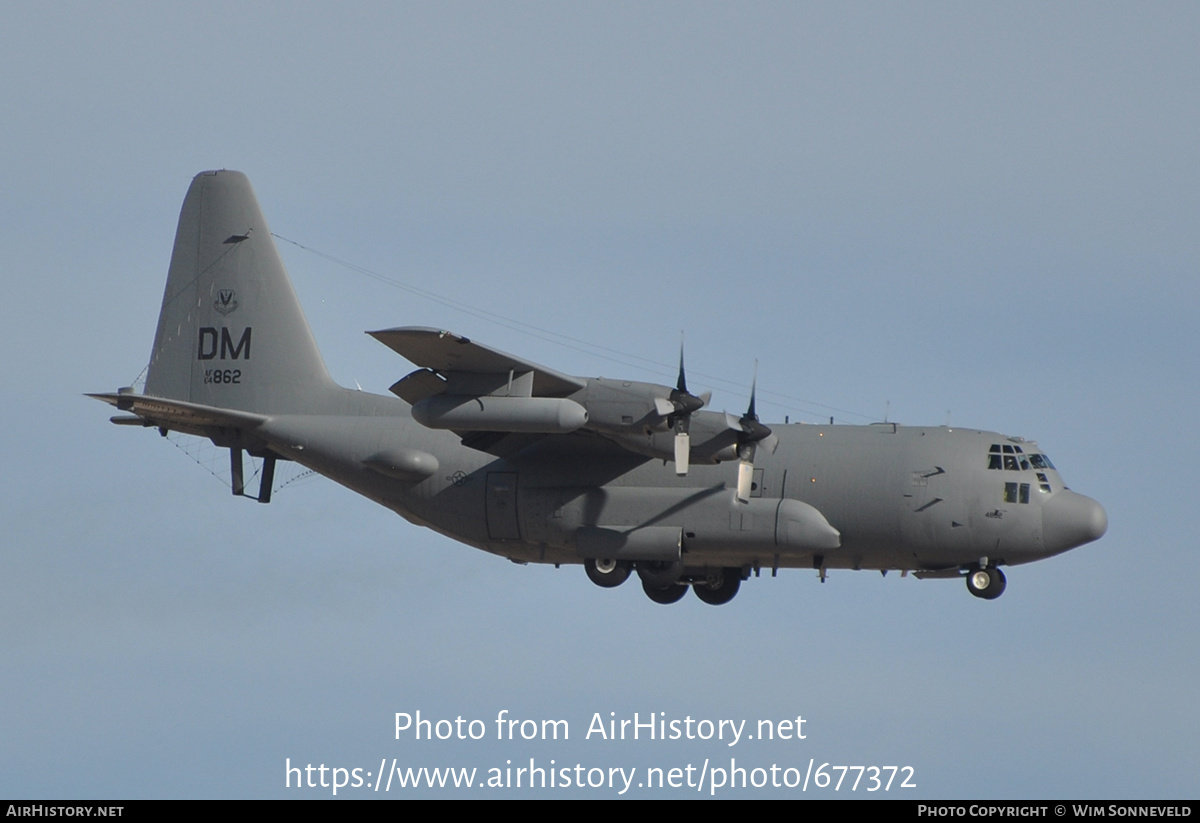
(683, 448)
(681, 383)
(753, 389)
(745, 451)
(744, 480)
(678, 411)
(681, 403)
(771, 443)
(750, 432)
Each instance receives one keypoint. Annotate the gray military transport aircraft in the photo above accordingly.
(538, 466)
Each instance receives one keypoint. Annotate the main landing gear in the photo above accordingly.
(667, 583)
(717, 589)
(987, 582)
(666, 595)
(607, 574)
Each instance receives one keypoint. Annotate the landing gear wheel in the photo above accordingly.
(665, 595)
(721, 590)
(659, 574)
(607, 574)
(987, 583)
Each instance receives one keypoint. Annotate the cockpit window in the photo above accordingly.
(1013, 459)
(1040, 461)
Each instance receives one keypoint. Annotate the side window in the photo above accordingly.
(1016, 492)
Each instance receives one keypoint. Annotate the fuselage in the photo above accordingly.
(906, 498)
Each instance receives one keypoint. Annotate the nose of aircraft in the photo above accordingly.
(1070, 520)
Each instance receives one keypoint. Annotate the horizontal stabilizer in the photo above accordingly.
(179, 414)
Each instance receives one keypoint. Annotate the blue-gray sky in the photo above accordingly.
(934, 211)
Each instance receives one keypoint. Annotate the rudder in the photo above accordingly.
(231, 333)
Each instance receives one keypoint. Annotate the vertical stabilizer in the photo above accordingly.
(231, 333)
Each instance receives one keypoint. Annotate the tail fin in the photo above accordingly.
(231, 333)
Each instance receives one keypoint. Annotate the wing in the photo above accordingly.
(496, 402)
(502, 404)
(468, 367)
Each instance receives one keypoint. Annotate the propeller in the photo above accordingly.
(750, 433)
(683, 403)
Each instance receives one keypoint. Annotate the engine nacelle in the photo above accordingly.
(625, 405)
(712, 441)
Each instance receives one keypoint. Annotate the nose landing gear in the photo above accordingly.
(987, 582)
